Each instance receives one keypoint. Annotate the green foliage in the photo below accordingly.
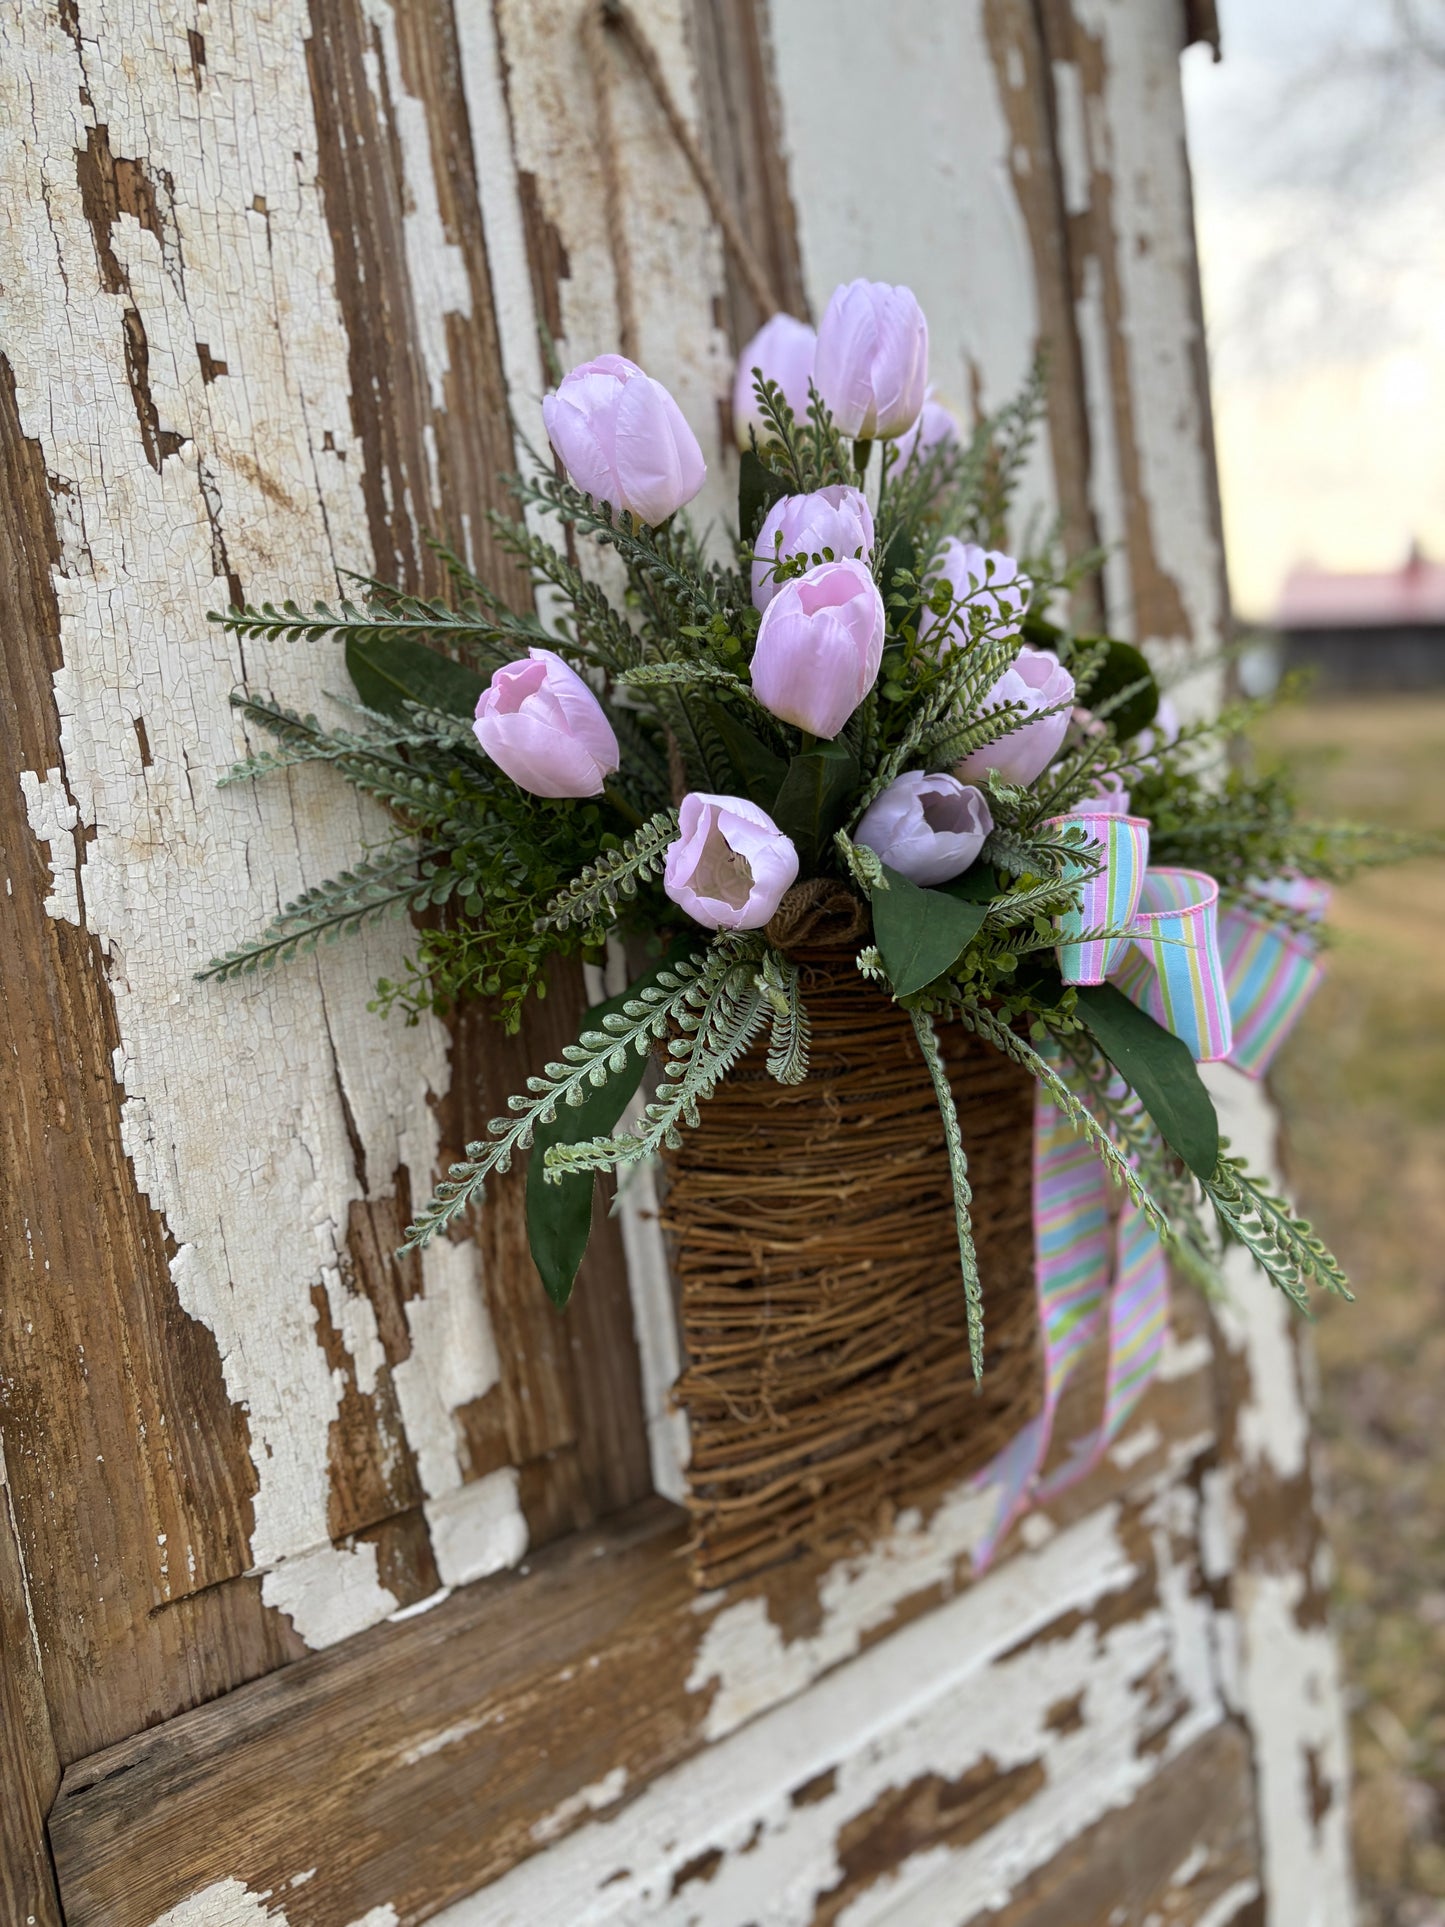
(1281, 1243)
(958, 1172)
(501, 882)
(592, 897)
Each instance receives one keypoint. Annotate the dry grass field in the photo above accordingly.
(1362, 1086)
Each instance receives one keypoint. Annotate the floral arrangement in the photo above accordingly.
(863, 712)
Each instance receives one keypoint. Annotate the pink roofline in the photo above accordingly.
(1401, 598)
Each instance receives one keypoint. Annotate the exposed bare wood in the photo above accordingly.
(739, 112)
(29, 1768)
(119, 1439)
(1185, 1851)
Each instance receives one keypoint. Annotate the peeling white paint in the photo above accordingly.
(436, 265)
(602, 1793)
(940, 1696)
(453, 1360)
(329, 1593)
(1230, 1904)
(232, 1114)
(52, 818)
(898, 154)
(226, 1903)
(477, 1529)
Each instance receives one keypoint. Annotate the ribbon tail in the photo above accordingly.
(1138, 1322)
(1072, 1252)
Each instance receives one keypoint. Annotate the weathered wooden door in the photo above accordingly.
(336, 1591)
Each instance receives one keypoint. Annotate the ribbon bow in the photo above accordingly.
(1231, 986)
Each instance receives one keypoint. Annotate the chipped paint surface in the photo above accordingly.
(234, 1099)
(972, 1685)
(1283, 1665)
(938, 209)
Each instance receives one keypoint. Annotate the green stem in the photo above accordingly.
(861, 452)
(622, 806)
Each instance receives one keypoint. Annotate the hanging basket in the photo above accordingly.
(822, 1307)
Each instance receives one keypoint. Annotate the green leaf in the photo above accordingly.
(1158, 1066)
(390, 671)
(901, 555)
(758, 489)
(559, 1214)
(978, 885)
(919, 933)
(759, 770)
(814, 797)
(1121, 668)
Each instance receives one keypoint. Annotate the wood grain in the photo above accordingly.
(119, 1439)
(1185, 1850)
(29, 1768)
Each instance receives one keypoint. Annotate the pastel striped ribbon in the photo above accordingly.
(1109, 896)
(1094, 1267)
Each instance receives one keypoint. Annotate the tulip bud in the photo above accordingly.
(1038, 681)
(929, 828)
(540, 723)
(623, 440)
(819, 647)
(782, 351)
(827, 526)
(730, 865)
(871, 367)
(935, 426)
(983, 579)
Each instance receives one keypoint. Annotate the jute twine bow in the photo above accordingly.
(619, 17)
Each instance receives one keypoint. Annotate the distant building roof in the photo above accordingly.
(1407, 597)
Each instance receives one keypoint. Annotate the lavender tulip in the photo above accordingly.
(1108, 796)
(1038, 681)
(540, 722)
(623, 440)
(730, 865)
(936, 426)
(826, 526)
(782, 350)
(871, 367)
(819, 647)
(985, 579)
(927, 827)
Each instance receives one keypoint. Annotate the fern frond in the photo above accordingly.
(1041, 855)
(393, 882)
(593, 895)
(958, 1171)
(1281, 1243)
(779, 982)
(720, 1019)
(495, 637)
(865, 866)
(585, 1065)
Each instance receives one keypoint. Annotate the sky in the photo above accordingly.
(1318, 149)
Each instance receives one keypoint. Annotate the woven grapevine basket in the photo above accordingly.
(822, 1309)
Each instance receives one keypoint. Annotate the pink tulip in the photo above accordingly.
(935, 426)
(985, 579)
(819, 647)
(782, 350)
(730, 865)
(929, 828)
(623, 440)
(871, 367)
(540, 723)
(837, 520)
(1038, 681)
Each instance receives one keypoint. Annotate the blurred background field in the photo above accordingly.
(1362, 1086)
